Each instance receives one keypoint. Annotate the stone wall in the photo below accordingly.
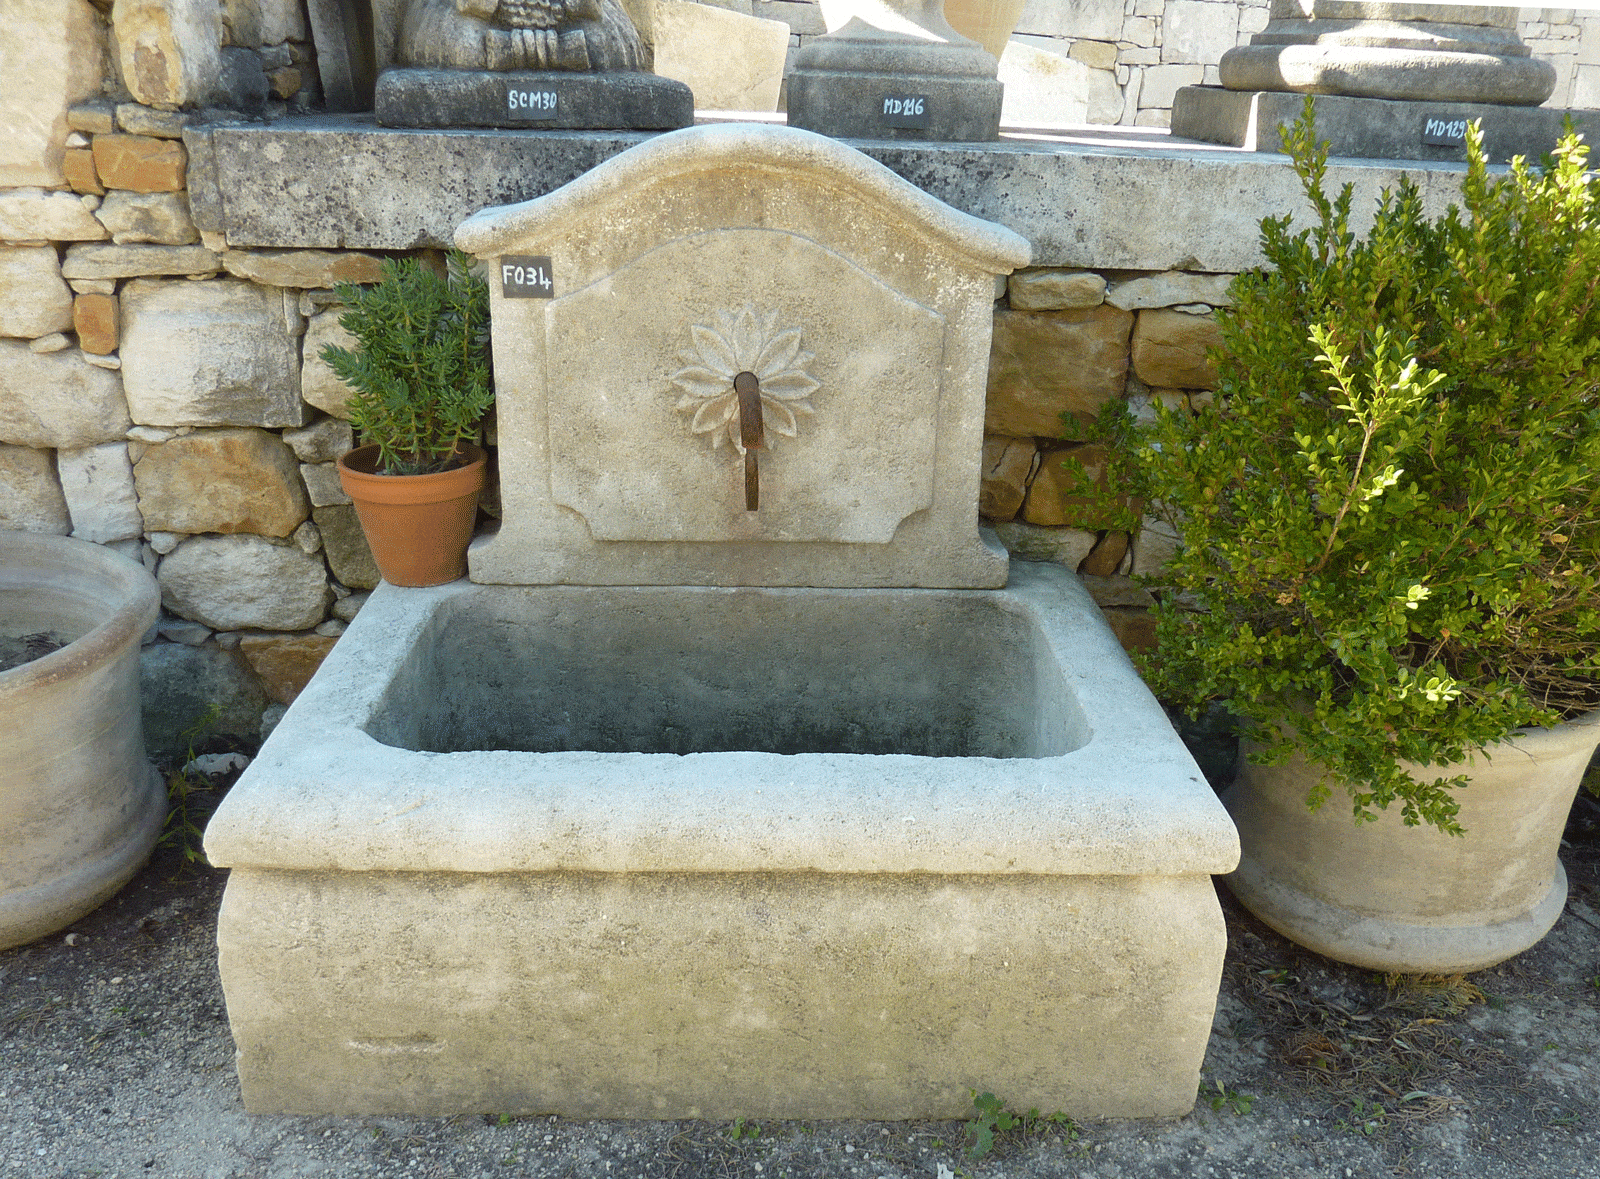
(161, 392)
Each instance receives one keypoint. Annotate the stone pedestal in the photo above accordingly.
(562, 100)
(1397, 81)
(891, 74)
(1418, 52)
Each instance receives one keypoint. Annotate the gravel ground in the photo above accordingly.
(115, 1060)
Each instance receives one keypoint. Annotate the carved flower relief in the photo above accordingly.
(743, 341)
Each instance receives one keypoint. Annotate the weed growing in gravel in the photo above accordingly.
(993, 1118)
(1220, 1097)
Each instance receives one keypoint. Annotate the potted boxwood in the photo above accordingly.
(1390, 519)
(420, 384)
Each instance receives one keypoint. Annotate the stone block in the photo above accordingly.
(1055, 289)
(1106, 101)
(318, 384)
(141, 163)
(30, 495)
(160, 218)
(169, 50)
(1162, 82)
(35, 215)
(98, 484)
(1154, 545)
(220, 353)
(803, 19)
(1198, 31)
(731, 61)
(1044, 364)
(54, 342)
(345, 546)
(137, 119)
(51, 55)
(302, 268)
(1058, 546)
(244, 582)
(34, 300)
(1097, 55)
(1135, 629)
(1171, 288)
(1057, 497)
(285, 663)
(1169, 349)
(1106, 558)
(92, 261)
(58, 400)
(1042, 89)
(1117, 592)
(1007, 465)
(1098, 20)
(182, 687)
(77, 165)
(98, 322)
(93, 116)
(322, 484)
(322, 441)
(230, 480)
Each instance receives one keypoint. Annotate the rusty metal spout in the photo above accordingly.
(752, 435)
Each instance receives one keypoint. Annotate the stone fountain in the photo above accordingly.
(743, 778)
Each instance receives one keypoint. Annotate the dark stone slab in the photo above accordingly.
(1372, 128)
(951, 109)
(546, 100)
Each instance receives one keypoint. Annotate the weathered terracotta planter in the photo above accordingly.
(417, 526)
(1411, 899)
(80, 807)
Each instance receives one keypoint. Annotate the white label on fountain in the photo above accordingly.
(533, 106)
(523, 277)
(905, 110)
(1444, 132)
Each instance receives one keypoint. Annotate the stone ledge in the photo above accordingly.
(1103, 197)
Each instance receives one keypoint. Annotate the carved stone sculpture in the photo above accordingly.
(519, 35)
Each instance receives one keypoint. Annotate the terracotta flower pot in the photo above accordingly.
(80, 807)
(417, 526)
(1412, 899)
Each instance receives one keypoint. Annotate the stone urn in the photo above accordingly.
(80, 807)
(1413, 899)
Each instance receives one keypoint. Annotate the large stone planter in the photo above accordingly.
(80, 808)
(1397, 898)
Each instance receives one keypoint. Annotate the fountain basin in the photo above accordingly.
(723, 852)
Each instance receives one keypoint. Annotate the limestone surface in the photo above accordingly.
(731, 61)
(1055, 289)
(97, 319)
(221, 353)
(34, 300)
(30, 496)
(285, 663)
(244, 582)
(1169, 349)
(179, 684)
(302, 268)
(33, 214)
(1043, 89)
(97, 482)
(140, 163)
(50, 57)
(319, 386)
(169, 50)
(1067, 547)
(57, 400)
(1045, 364)
(345, 545)
(96, 261)
(1007, 464)
(161, 218)
(322, 484)
(321, 442)
(1170, 289)
(863, 308)
(231, 480)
